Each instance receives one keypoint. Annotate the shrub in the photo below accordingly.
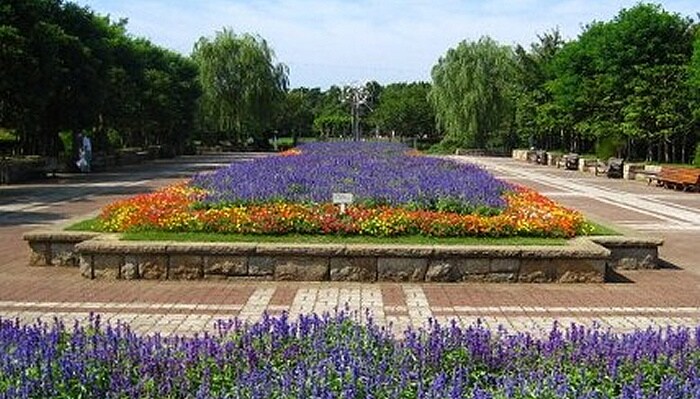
(114, 139)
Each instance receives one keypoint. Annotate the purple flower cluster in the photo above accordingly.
(376, 173)
(335, 357)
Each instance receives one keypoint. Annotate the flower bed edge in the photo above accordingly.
(104, 256)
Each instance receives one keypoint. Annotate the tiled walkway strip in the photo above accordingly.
(188, 319)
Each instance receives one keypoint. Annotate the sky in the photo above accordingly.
(327, 42)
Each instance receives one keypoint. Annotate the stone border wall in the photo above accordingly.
(581, 261)
(584, 259)
(104, 256)
(56, 248)
(631, 253)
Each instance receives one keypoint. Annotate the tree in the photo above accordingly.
(296, 118)
(472, 92)
(403, 110)
(242, 85)
(622, 83)
(535, 120)
(65, 69)
(52, 76)
(332, 116)
(694, 83)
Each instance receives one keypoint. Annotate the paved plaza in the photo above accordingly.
(637, 299)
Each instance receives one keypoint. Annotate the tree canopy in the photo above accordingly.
(629, 87)
(242, 85)
(403, 109)
(64, 68)
(472, 91)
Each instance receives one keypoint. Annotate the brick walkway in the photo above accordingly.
(641, 298)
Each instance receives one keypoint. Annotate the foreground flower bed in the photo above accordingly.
(397, 193)
(335, 357)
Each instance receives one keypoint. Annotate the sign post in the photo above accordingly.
(343, 199)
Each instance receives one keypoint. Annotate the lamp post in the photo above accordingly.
(357, 95)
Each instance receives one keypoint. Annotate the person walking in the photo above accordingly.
(85, 153)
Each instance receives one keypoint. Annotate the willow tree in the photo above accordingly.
(472, 92)
(242, 85)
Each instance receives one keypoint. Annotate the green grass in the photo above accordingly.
(329, 239)
(601, 230)
(85, 225)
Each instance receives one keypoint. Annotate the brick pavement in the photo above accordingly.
(640, 299)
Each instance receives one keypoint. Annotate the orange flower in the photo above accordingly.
(527, 213)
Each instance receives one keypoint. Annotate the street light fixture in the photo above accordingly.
(357, 95)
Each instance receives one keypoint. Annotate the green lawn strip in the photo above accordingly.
(331, 239)
(602, 230)
(92, 224)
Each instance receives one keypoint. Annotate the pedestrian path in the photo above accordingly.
(362, 302)
(642, 299)
(669, 215)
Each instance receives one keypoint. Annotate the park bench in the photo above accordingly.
(568, 161)
(613, 168)
(678, 178)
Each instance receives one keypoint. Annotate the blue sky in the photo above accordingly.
(327, 42)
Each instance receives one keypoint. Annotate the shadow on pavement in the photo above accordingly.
(20, 218)
(665, 264)
(612, 276)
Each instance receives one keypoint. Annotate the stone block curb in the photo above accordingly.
(631, 252)
(582, 259)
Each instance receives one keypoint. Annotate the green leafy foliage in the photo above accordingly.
(65, 68)
(472, 92)
(403, 110)
(242, 86)
(623, 81)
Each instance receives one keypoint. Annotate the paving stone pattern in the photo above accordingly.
(639, 298)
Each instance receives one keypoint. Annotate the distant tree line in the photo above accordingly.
(628, 87)
(65, 69)
(396, 110)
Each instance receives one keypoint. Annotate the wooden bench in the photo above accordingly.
(678, 178)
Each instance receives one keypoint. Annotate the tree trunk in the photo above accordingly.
(683, 145)
(673, 151)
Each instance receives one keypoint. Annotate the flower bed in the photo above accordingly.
(397, 193)
(527, 213)
(376, 173)
(335, 357)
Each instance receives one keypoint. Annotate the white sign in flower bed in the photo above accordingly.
(343, 199)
